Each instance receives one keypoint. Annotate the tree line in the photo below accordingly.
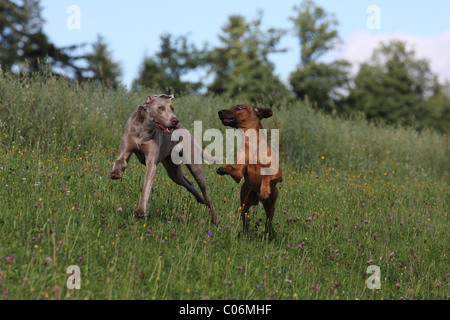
(393, 86)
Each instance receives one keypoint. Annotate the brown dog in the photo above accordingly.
(257, 187)
(148, 134)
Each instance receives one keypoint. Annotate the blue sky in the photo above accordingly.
(132, 28)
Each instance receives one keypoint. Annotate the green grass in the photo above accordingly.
(353, 195)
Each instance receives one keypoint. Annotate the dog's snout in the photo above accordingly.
(221, 113)
(175, 121)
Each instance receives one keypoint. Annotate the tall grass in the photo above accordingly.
(353, 194)
(43, 110)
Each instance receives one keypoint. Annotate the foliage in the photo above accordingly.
(102, 68)
(25, 46)
(175, 59)
(241, 65)
(394, 85)
(321, 83)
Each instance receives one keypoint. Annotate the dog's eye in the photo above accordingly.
(161, 108)
(238, 108)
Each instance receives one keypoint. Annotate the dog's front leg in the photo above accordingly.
(235, 172)
(151, 163)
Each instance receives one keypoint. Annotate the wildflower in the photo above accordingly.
(75, 204)
(363, 204)
(239, 268)
(37, 205)
(209, 233)
(438, 285)
(119, 209)
(258, 286)
(288, 281)
(80, 259)
(180, 217)
(309, 219)
(5, 292)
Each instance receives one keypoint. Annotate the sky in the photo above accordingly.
(132, 28)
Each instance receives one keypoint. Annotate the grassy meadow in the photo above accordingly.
(354, 194)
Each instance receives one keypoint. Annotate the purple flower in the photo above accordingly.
(5, 292)
(80, 259)
(37, 205)
(239, 268)
(309, 219)
(119, 209)
(288, 281)
(258, 286)
(209, 233)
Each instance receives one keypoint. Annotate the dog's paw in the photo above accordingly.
(139, 213)
(222, 171)
(115, 175)
(265, 192)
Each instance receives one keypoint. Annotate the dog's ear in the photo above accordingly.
(154, 96)
(166, 96)
(263, 112)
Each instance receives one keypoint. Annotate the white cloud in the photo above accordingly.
(359, 46)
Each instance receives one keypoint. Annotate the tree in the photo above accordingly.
(315, 30)
(175, 59)
(24, 45)
(101, 67)
(241, 66)
(324, 84)
(393, 85)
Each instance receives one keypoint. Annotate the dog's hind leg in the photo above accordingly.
(199, 176)
(248, 199)
(269, 207)
(176, 174)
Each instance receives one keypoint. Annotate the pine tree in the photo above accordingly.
(101, 67)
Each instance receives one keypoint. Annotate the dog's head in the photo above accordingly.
(243, 116)
(160, 109)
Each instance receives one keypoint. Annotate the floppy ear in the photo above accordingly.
(263, 112)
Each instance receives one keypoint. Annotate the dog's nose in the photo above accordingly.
(175, 121)
(221, 113)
